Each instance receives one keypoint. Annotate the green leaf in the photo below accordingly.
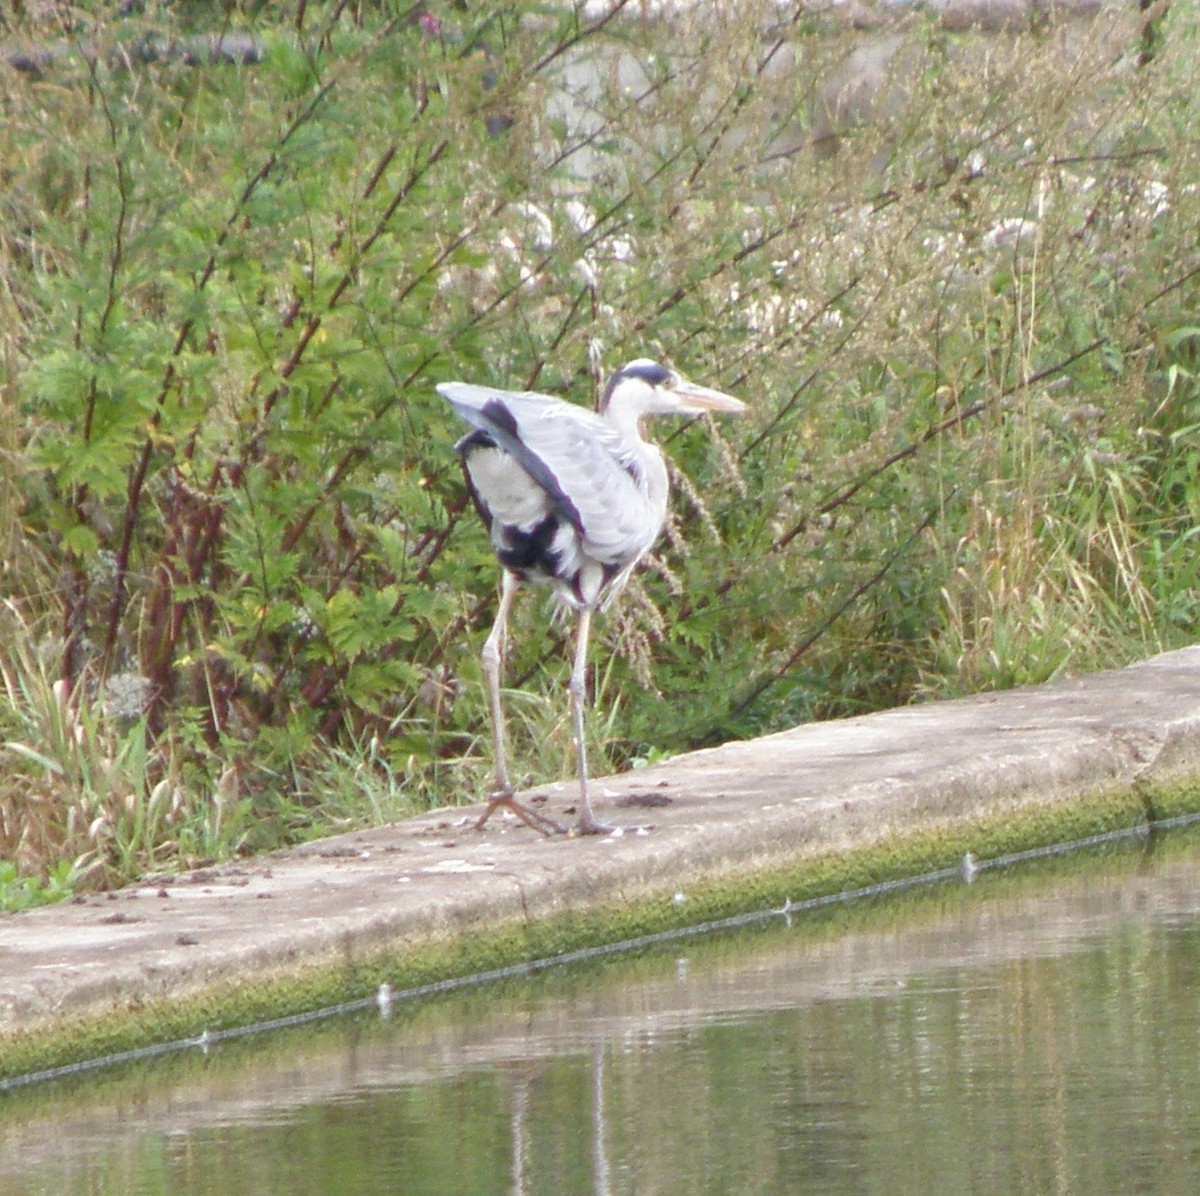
(81, 541)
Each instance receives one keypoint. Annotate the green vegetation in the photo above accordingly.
(244, 592)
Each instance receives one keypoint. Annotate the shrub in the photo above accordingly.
(963, 325)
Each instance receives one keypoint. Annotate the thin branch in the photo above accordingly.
(774, 675)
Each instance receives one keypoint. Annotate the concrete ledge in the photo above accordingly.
(792, 815)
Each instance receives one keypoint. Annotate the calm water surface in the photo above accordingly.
(1037, 1032)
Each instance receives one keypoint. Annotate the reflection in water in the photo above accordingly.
(520, 1110)
(1030, 1033)
(600, 1159)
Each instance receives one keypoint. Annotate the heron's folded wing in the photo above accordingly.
(581, 461)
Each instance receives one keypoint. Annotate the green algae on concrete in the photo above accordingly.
(820, 810)
(344, 980)
(929, 908)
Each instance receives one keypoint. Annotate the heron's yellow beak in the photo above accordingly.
(694, 397)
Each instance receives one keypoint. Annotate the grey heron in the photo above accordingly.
(573, 500)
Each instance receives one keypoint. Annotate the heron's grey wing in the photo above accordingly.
(599, 474)
(492, 411)
(583, 463)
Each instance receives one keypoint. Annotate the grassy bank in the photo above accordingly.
(244, 590)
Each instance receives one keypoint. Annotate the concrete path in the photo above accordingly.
(709, 833)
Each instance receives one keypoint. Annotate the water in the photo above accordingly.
(1036, 1032)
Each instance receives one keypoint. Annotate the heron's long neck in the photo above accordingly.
(626, 421)
(656, 482)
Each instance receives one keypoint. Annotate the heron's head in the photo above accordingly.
(644, 387)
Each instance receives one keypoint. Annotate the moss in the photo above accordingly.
(1166, 801)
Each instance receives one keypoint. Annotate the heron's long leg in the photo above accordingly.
(493, 666)
(578, 687)
(494, 648)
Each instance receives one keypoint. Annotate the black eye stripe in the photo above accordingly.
(648, 371)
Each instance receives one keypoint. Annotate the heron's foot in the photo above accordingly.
(542, 823)
(587, 825)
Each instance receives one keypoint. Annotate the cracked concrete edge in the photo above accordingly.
(1020, 788)
(272, 986)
